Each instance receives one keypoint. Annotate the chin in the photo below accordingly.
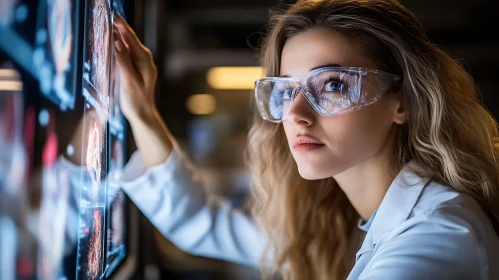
(311, 173)
(318, 171)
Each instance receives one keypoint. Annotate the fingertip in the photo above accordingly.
(119, 45)
(119, 22)
(122, 28)
(117, 18)
(117, 14)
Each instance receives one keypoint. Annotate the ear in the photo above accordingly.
(399, 112)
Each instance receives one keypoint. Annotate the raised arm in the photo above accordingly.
(137, 95)
(159, 180)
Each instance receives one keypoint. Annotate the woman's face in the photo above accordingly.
(346, 139)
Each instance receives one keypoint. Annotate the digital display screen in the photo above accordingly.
(64, 135)
(95, 89)
(11, 140)
(97, 57)
(104, 134)
(17, 25)
(117, 210)
(91, 242)
(7, 11)
(12, 161)
(54, 55)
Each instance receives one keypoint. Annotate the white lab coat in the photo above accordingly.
(420, 231)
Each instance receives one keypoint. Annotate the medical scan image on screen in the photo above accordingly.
(95, 89)
(97, 57)
(102, 228)
(54, 55)
(116, 203)
(63, 214)
(116, 222)
(91, 234)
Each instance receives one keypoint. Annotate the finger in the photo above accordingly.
(120, 43)
(141, 57)
(120, 20)
(124, 61)
(129, 37)
(117, 35)
(143, 64)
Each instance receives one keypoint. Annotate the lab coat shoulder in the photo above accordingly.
(171, 197)
(436, 245)
(446, 236)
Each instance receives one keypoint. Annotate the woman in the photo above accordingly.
(361, 118)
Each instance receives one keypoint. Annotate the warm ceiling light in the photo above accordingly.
(9, 80)
(201, 104)
(233, 77)
(10, 73)
(11, 86)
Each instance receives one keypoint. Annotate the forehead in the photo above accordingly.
(319, 47)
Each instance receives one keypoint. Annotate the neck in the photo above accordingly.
(366, 183)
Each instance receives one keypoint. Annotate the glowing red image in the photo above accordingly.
(95, 250)
(94, 160)
(99, 58)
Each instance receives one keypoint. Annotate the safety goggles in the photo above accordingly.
(329, 90)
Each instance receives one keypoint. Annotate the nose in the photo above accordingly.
(301, 112)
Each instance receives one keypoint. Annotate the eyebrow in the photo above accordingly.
(317, 67)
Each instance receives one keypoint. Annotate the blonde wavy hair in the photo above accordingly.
(311, 225)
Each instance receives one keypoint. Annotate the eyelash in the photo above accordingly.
(289, 90)
(333, 79)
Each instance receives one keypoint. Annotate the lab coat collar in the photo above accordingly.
(398, 202)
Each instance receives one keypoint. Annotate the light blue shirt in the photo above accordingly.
(421, 230)
(363, 225)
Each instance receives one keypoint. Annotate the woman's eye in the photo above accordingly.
(286, 94)
(333, 86)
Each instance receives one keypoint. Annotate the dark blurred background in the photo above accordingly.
(190, 37)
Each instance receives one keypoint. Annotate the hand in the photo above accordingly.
(138, 72)
(137, 82)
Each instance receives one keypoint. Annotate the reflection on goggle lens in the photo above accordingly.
(330, 91)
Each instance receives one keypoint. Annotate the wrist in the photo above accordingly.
(146, 116)
(152, 137)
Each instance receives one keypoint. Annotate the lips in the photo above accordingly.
(306, 143)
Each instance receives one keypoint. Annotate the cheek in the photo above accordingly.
(350, 138)
(360, 134)
(288, 129)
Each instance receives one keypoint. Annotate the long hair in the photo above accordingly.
(311, 225)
